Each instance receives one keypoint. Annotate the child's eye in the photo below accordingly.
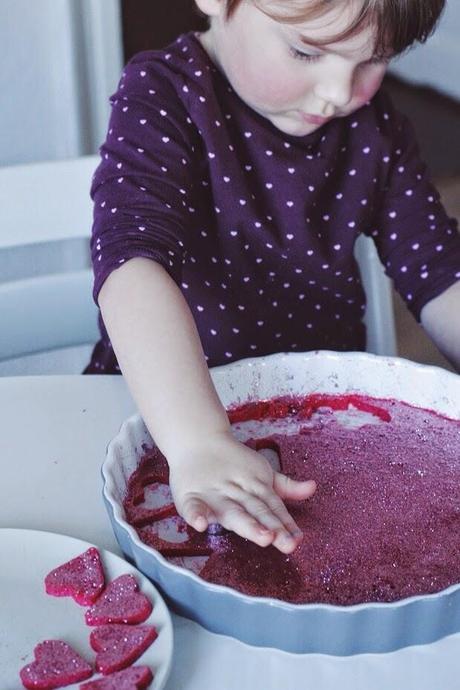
(299, 55)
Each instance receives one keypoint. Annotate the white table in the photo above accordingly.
(53, 435)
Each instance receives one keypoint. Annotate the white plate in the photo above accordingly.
(28, 615)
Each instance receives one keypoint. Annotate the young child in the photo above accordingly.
(240, 167)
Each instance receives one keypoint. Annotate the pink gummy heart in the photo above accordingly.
(118, 645)
(122, 602)
(81, 578)
(134, 678)
(56, 664)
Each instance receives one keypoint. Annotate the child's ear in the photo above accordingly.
(212, 8)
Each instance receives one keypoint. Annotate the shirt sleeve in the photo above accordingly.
(143, 188)
(418, 243)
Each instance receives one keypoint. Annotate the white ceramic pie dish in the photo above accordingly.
(297, 628)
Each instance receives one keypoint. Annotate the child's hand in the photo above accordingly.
(220, 480)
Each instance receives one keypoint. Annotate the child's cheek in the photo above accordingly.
(367, 87)
(272, 90)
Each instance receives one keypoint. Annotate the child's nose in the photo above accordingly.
(337, 88)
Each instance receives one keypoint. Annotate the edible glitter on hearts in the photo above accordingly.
(121, 602)
(56, 665)
(82, 578)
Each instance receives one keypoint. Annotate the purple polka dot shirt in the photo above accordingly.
(258, 227)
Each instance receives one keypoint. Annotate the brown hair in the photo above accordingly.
(399, 23)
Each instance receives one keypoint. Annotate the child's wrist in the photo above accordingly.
(183, 446)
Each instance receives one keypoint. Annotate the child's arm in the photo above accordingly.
(441, 319)
(213, 477)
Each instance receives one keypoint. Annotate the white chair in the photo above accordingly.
(48, 320)
(47, 316)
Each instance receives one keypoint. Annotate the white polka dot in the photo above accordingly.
(269, 185)
(248, 135)
(392, 214)
(290, 204)
(291, 170)
(393, 236)
(165, 140)
(366, 150)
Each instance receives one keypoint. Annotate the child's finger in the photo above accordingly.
(196, 513)
(288, 488)
(261, 511)
(271, 512)
(235, 517)
(288, 535)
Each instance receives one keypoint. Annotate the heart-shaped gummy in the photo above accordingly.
(81, 578)
(56, 664)
(134, 678)
(121, 602)
(118, 645)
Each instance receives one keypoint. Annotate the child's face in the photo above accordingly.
(296, 86)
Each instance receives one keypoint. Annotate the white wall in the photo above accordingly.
(437, 62)
(60, 61)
